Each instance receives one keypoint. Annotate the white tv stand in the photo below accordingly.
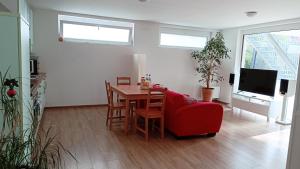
(252, 103)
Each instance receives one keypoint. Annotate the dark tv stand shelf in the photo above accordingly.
(252, 103)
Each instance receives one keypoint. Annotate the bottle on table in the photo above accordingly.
(149, 78)
(143, 80)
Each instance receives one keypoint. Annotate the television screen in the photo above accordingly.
(258, 81)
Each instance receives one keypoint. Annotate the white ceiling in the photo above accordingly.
(200, 13)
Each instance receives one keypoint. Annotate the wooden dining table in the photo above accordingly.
(129, 93)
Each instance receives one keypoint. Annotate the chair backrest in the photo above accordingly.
(109, 93)
(156, 99)
(123, 80)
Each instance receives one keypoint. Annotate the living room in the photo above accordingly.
(75, 69)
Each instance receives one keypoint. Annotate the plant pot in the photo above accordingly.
(207, 94)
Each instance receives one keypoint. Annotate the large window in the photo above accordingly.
(182, 40)
(95, 30)
(274, 51)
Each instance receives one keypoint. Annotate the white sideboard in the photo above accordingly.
(252, 104)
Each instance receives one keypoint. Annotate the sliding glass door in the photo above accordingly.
(274, 51)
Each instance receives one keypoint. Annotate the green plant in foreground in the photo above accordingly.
(29, 149)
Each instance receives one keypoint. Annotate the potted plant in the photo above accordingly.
(209, 61)
(25, 149)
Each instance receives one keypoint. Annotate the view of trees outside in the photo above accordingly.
(274, 51)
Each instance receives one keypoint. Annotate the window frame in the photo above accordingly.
(249, 33)
(184, 31)
(266, 29)
(182, 47)
(130, 36)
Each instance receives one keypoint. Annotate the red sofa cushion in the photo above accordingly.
(174, 101)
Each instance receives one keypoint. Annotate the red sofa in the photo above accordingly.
(185, 116)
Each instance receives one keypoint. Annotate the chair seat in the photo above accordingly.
(152, 113)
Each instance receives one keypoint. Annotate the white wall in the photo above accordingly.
(76, 71)
(231, 37)
(169, 66)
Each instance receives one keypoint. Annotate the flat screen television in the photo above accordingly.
(258, 81)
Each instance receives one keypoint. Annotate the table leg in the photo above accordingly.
(126, 116)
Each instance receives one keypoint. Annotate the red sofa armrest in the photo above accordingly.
(198, 118)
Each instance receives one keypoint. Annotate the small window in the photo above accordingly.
(95, 30)
(174, 40)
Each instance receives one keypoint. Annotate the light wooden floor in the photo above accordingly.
(246, 141)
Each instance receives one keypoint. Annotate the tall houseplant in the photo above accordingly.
(209, 61)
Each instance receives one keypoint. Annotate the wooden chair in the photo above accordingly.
(112, 107)
(123, 80)
(154, 110)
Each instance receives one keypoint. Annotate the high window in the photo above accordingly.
(183, 38)
(80, 29)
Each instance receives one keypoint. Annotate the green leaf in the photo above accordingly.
(210, 58)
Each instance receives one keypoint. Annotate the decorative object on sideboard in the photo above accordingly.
(35, 83)
(209, 61)
(34, 65)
